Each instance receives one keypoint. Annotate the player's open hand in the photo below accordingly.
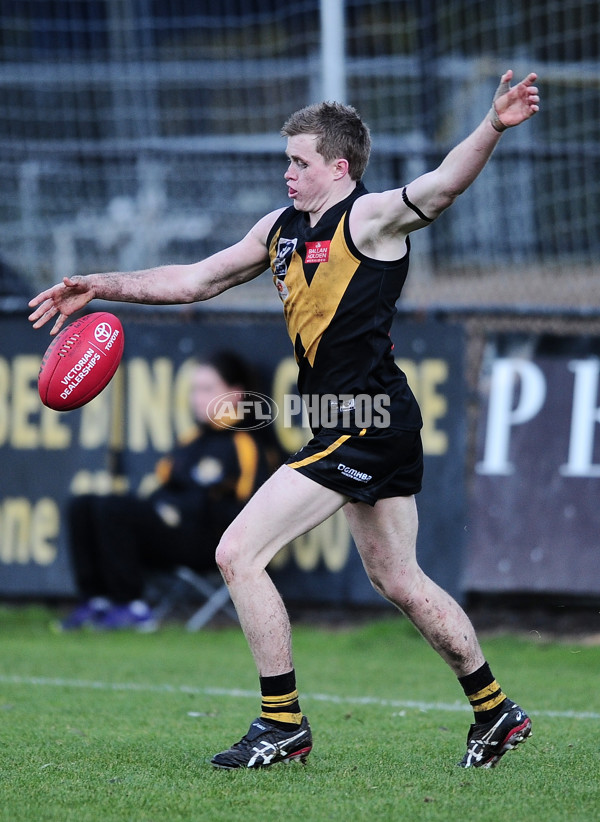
(514, 104)
(64, 299)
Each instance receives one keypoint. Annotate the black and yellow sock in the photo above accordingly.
(484, 693)
(280, 704)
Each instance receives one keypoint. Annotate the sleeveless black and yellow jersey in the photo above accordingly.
(339, 305)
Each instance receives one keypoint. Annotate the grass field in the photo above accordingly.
(120, 728)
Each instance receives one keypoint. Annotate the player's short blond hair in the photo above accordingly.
(340, 131)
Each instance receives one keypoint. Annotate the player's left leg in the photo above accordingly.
(386, 535)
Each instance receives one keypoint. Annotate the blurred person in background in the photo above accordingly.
(116, 539)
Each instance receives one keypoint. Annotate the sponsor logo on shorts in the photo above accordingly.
(353, 473)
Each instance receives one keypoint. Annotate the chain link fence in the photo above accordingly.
(136, 132)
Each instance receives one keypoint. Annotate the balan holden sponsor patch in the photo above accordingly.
(318, 252)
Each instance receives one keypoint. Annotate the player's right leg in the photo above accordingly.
(287, 505)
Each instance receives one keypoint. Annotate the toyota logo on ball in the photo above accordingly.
(102, 332)
(248, 413)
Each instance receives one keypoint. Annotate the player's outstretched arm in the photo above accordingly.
(511, 106)
(164, 285)
(156, 286)
(386, 218)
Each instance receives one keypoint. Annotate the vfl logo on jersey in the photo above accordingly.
(318, 252)
(281, 263)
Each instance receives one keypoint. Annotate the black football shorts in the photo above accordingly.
(365, 466)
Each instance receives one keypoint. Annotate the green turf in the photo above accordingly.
(120, 728)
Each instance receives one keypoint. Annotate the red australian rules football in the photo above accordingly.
(81, 361)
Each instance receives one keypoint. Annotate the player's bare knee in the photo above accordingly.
(227, 556)
(400, 589)
(235, 557)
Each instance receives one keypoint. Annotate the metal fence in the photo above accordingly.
(135, 132)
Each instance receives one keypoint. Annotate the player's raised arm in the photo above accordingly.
(399, 211)
(164, 285)
(434, 192)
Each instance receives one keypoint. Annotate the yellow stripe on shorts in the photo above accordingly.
(320, 454)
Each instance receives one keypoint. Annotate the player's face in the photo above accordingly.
(309, 178)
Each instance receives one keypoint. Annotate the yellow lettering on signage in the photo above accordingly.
(183, 417)
(19, 405)
(4, 400)
(330, 542)
(45, 524)
(14, 530)
(25, 402)
(424, 379)
(334, 537)
(98, 482)
(27, 530)
(291, 437)
(306, 549)
(149, 404)
(55, 435)
(117, 399)
(434, 373)
(146, 405)
(281, 559)
(95, 421)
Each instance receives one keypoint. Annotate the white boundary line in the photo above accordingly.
(237, 693)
